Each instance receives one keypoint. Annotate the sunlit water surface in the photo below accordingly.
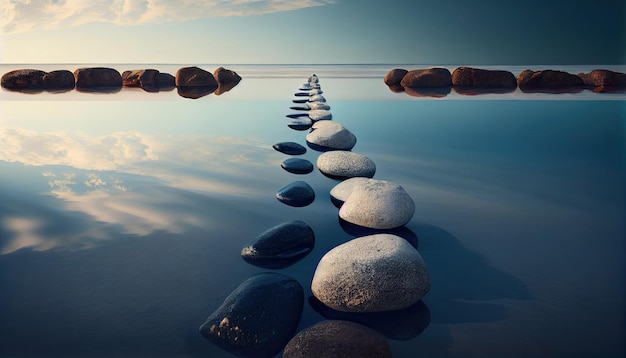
(122, 216)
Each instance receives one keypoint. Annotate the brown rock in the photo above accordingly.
(598, 78)
(435, 92)
(60, 80)
(337, 339)
(547, 79)
(165, 81)
(394, 77)
(429, 77)
(226, 80)
(146, 79)
(27, 80)
(97, 77)
(476, 77)
(194, 77)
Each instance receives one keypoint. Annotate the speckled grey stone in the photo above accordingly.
(345, 164)
(329, 135)
(338, 339)
(375, 273)
(378, 204)
(318, 105)
(340, 192)
(320, 114)
(317, 98)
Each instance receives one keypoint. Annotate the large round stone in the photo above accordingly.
(97, 77)
(296, 194)
(280, 246)
(258, 318)
(374, 273)
(337, 339)
(340, 192)
(378, 204)
(23, 80)
(329, 135)
(344, 164)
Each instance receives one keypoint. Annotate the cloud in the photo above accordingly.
(18, 16)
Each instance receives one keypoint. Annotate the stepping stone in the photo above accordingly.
(318, 105)
(281, 246)
(317, 98)
(305, 87)
(375, 273)
(329, 135)
(301, 94)
(291, 148)
(300, 100)
(300, 108)
(315, 91)
(344, 164)
(297, 115)
(301, 123)
(378, 204)
(340, 192)
(297, 166)
(264, 303)
(338, 339)
(296, 194)
(320, 114)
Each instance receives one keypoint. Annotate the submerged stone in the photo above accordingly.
(258, 318)
(296, 194)
(280, 246)
(338, 339)
(291, 148)
(297, 166)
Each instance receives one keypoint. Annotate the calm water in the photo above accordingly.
(122, 215)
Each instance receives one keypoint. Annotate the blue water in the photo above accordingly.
(122, 216)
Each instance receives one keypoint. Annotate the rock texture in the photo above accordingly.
(194, 77)
(476, 77)
(340, 192)
(549, 79)
(395, 76)
(344, 164)
(226, 80)
(328, 135)
(375, 273)
(59, 80)
(23, 80)
(378, 204)
(337, 339)
(97, 77)
(280, 246)
(599, 78)
(258, 318)
(429, 77)
(146, 79)
(320, 114)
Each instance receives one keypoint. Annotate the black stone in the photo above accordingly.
(296, 194)
(401, 325)
(300, 124)
(258, 318)
(300, 100)
(280, 246)
(297, 115)
(300, 108)
(301, 94)
(297, 166)
(291, 148)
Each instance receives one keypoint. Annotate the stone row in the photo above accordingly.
(192, 82)
(468, 80)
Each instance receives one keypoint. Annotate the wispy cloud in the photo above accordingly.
(18, 16)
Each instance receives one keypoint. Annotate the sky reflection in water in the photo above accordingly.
(122, 218)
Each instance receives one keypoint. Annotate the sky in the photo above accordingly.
(441, 32)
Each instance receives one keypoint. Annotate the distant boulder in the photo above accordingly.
(97, 77)
(194, 77)
(23, 80)
(60, 80)
(476, 77)
(547, 79)
(226, 80)
(599, 78)
(394, 77)
(165, 81)
(429, 77)
(146, 79)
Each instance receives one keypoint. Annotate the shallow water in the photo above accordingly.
(123, 215)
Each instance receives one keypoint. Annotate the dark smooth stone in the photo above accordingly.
(297, 166)
(195, 92)
(258, 318)
(300, 100)
(301, 94)
(280, 246)
(297, 115)
(300, 124)
(291, 148)
(401, 325)
(300, 108)
(338, 339)
(296, 194)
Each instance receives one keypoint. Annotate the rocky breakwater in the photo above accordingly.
(428, 82)
(194, 82)
(468, 80)
(149, 80)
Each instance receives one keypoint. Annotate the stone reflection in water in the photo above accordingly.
(195, 92)
(473, 91)
(281, 246)
(401, 325)
(258, 318)
(436, 92)
(358, 231)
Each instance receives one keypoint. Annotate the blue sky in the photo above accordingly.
(462, 32)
